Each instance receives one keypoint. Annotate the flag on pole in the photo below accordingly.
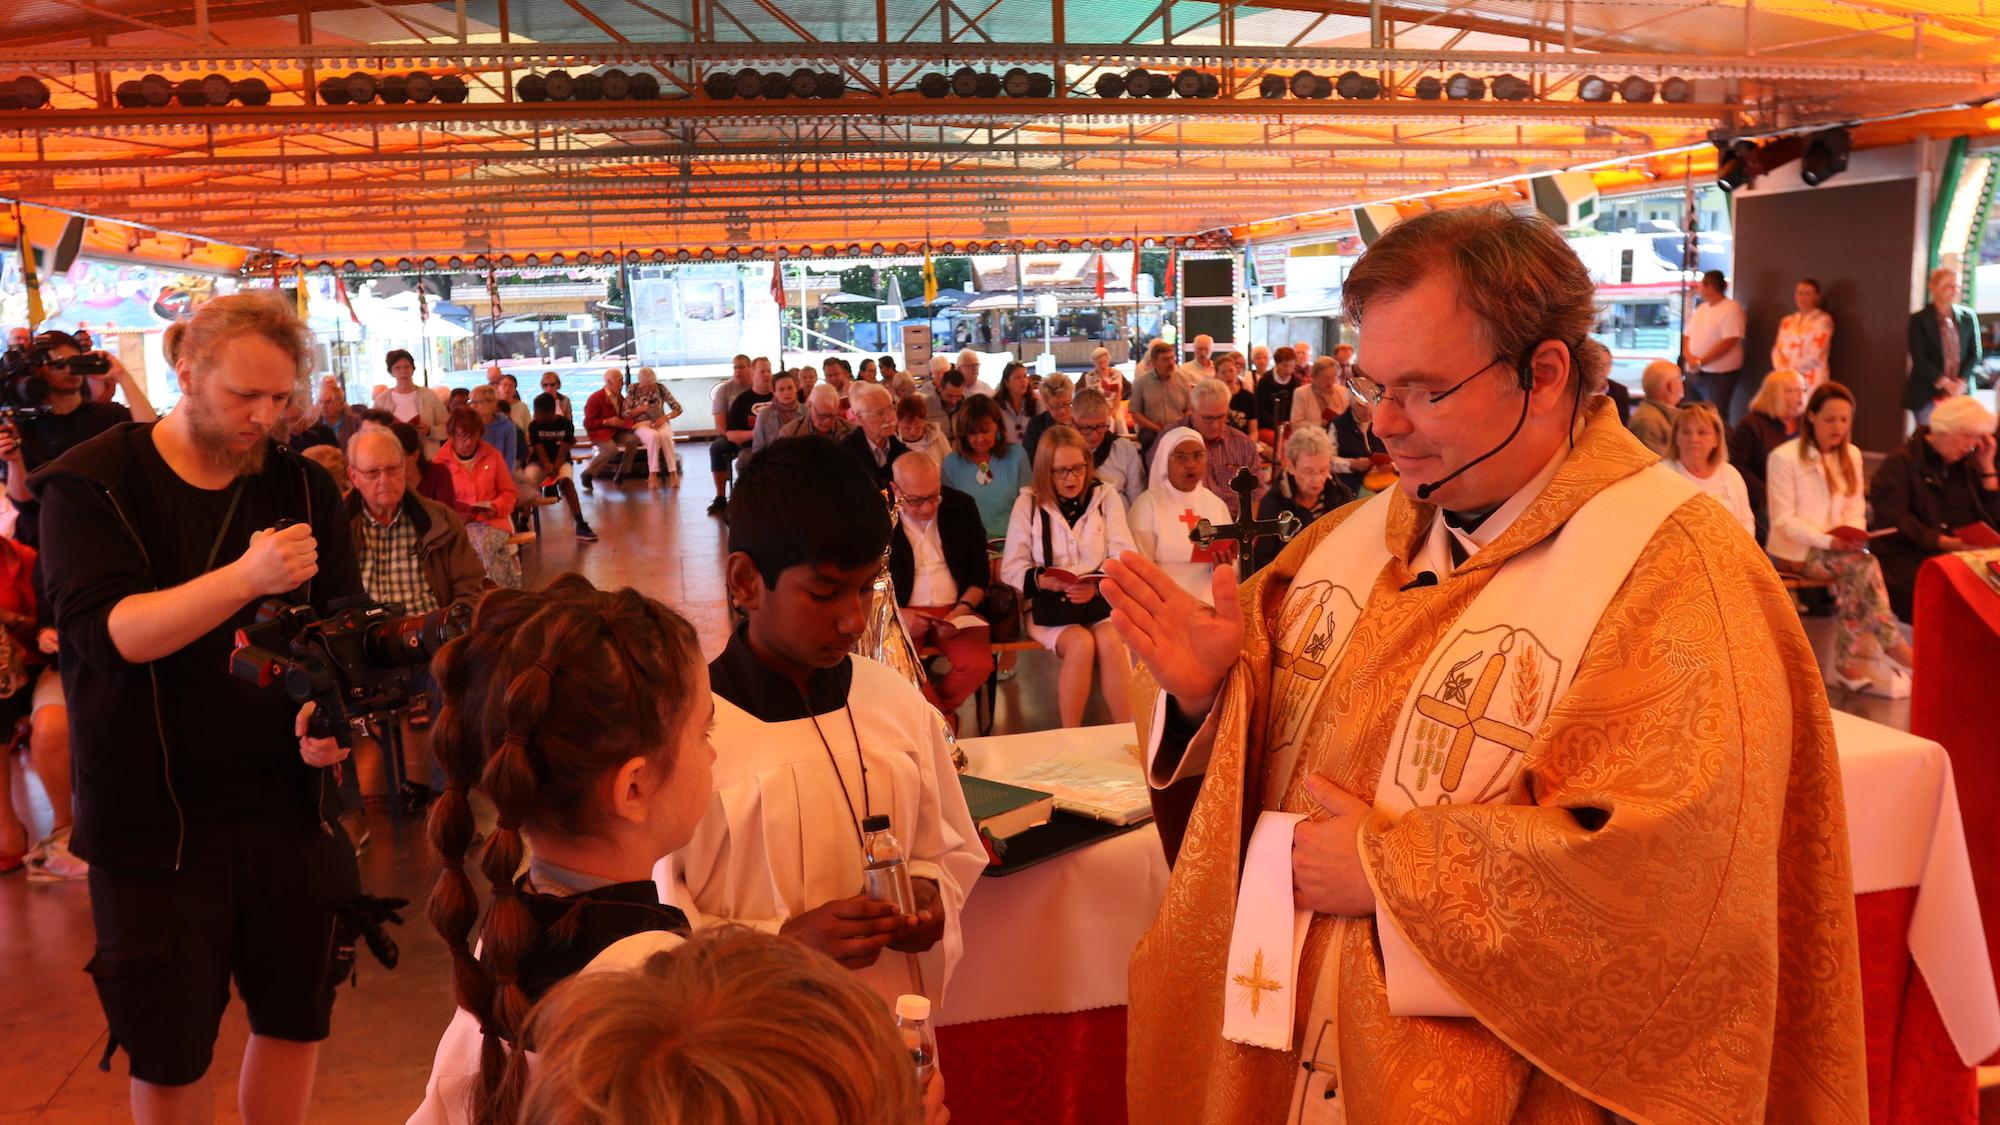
(493, 293)
(29, 279)
(1135, 262)
(1173, 262)
(299, 276)
(777, 284)
(423, 300)
(340, 291)
(930, 277)
(1100, 277)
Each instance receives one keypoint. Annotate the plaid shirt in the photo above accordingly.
(392, 566)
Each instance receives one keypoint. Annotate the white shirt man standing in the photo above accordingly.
(1712, 346)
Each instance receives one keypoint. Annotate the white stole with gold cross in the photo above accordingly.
(1462, 734)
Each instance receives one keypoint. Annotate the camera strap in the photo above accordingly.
(228, 516)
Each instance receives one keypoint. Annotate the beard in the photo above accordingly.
(212, 434)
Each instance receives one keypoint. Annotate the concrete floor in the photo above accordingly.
(374, 1066)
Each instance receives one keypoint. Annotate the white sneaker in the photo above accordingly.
(1887, 681)
(52, 862)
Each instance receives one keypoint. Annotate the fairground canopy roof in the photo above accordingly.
(381, 130)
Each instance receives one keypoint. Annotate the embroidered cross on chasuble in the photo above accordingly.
(1609, 838)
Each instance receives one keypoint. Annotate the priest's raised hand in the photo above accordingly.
(852, 931)
(1189, 647)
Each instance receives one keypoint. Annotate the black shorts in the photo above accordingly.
(721, 454)
(254, 899)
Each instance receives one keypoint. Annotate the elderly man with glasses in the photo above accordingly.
(1229, 448)
(937, 560)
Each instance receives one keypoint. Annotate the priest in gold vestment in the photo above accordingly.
(1623, 872)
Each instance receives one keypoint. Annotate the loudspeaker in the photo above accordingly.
(68, 246)
(1373, 219)
(1569, 199)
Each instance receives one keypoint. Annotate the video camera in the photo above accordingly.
(24, 390)
(364, 660)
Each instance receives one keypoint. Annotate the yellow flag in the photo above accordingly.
(299, 273)
(930, 278)
(29, 280)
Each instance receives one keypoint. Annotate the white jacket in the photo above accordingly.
(1802, 506)
(1102, 533)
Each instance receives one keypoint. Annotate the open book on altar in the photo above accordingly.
(1113, 792)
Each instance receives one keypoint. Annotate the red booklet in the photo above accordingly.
(1978, 535)
(1061, 575)
(1856, 535)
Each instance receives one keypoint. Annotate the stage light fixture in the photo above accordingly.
(30, 92)
(589, 87)
(1271, 87)
(1636, 89)
(1161, 87)
(1016, 82)
(1826, 156)
(1041, 86)
(529, 88)
(749, 83)
(1188, 83)
(1676, 91)
(615, 85)
(129, 95)
(1429, 89)
(451, 89)
(776, 85)
(1508, 88)
(333, 91)
(644, 87)
(1110, 85)
(988, 86)
(393, 89)
(189, 93)
(1593, 88)
(419, 85)
(934, 85)
(1464, 88)
(1737, 166)
(1139, 82)
(1356, 86)
(360, 87)
(805, 83)
(964, 82)
(215, 89)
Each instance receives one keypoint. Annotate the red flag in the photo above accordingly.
(340, 289)
(778, 284)
(1135, 264)
(1173, 260)
(1100, 277)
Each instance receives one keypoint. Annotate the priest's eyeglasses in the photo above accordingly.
(1412, 400)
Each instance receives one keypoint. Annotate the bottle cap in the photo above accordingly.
(913, 1007)
(877, 823)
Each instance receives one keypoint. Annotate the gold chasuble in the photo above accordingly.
(1656, 919)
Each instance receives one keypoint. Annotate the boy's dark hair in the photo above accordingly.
(545, 403)
(379, 417)
(952, 377)
(395, 355)
(804, 501)
(407, 437)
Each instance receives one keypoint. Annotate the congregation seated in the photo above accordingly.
(1229, 369)
(610, 429)
(551, 435)
(413, 552)
(1159, 395)
(1275, 387)
(947, 397)
(1058, 397)
(873, 439)
(917, 432)
(1941, 482)
(552, 385)
(1699, 454)
(653, 408)
(332, 423)
(1228, 448)
(1815, 486)
(501, 432)
(1067, 518)
(1115, 459)
(484, 495)
(329, 457)
(510, 401)
(407, 402)
(583, 717)
(733, 1026)
(1175, 500)
(1652, 420)
(1773, 419)
(937, 561)
(822, 414)
(985, 465)
(421, 475)
(1306, 487)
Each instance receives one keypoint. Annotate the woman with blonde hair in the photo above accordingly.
(1818, 530)
(1695, 450)
(734, 1028)
(1062, 529)
(653, 408)
(1771, 421)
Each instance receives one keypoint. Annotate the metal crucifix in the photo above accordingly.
(1247, 529)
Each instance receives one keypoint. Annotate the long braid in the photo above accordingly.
(630, 661)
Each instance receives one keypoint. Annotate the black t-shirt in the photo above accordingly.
(550, 434)
(50, 436)
(232, 743)
(742, 412)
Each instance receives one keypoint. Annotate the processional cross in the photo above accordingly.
(1247, 529)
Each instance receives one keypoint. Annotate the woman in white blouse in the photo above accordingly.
(1696, 451)
(1815, 489)
(1805, 337)
(1070, 520)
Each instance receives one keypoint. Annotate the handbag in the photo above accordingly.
(1002, 609)
(1052, 607)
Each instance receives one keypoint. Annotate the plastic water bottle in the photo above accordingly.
(913, 1023)
(885, 874)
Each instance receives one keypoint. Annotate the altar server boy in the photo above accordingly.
(811, 741)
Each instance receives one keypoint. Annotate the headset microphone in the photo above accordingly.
(1424, 491)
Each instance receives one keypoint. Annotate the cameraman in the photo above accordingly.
(204, 811)
(74, 419)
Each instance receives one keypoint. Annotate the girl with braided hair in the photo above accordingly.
(584, 716)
